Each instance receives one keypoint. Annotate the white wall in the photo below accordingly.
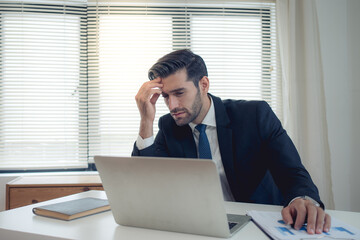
(339, 39)
(353, 10)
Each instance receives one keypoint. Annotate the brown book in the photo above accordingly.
(73, 209)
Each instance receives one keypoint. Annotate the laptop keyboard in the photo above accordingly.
(231, 225)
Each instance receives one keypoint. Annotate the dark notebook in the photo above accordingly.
(73, 209)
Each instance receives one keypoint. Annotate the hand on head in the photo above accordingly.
(146, 99)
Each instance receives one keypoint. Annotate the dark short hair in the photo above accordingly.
(178, 60)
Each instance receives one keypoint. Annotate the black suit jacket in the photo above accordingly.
(258, 156)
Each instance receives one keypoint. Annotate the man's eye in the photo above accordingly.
(179, 93)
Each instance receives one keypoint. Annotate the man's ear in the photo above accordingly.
(204, 84)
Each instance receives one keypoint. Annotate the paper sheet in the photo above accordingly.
(274, 226)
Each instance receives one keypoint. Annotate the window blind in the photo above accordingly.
(236, 39)
(70, 69)
(43, 84)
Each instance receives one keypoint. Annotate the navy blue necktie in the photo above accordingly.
(204, 146)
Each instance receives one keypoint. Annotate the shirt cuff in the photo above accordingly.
(306, 198)
(144, 143)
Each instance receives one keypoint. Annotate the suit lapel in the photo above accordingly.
(224, 133)
(186, 140)
(189, 148)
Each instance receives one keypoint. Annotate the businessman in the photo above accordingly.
(256, 159)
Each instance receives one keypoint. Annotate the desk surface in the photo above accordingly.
(77, 180)
(21, 223)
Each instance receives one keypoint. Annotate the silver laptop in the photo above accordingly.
(171, 194)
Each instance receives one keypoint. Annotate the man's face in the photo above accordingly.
(182, 98)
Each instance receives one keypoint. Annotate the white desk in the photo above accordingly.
(21, 223)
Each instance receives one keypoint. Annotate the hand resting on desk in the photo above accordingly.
(302, 210)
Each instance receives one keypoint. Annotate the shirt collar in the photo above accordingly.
(209, 119)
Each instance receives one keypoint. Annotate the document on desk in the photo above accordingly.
(274, 226)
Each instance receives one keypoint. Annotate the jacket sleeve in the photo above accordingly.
(158, 149)
(285, 164)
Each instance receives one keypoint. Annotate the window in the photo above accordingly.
(43, 104)
(70, 69)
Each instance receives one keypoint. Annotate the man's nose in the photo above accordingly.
(173, 102)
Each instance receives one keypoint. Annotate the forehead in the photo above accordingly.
(176, 81)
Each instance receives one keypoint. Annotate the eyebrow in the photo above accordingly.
(164, 94)
(177, 90)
